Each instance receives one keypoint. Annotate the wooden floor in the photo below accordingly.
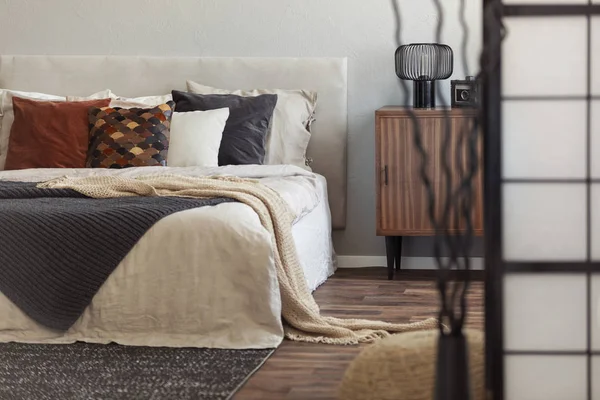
(305, 371)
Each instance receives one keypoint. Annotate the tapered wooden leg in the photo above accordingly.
(398, 253)
(390, 249)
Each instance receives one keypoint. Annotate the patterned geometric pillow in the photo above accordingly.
(129, 137)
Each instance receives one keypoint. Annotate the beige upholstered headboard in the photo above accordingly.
(142, 76)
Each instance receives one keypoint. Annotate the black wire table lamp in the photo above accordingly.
(424, 63)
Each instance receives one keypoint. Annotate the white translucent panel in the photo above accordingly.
(545, 377)
(544, 222)
(545, 312)
(544, 139)
(596, 378)
(595, 222)
(595, 305)
(545, 56)
(595, 46)
(545, 1)
(595, 139)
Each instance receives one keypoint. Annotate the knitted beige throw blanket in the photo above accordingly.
(301, 313)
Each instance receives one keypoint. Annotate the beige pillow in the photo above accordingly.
(139, 102)
(289, 132)
(131, 102)
(8, 117)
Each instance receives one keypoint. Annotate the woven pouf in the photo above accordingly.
(402, 367)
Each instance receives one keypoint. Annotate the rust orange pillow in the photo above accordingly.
(49, 134)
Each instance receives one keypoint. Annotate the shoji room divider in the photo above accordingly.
(542, 169)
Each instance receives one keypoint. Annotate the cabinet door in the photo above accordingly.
(460, 124)
(403, 203)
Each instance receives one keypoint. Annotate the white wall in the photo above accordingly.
(362, 30)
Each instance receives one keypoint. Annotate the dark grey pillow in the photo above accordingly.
(246, 129)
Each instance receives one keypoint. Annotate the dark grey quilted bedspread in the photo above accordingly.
(57, 247)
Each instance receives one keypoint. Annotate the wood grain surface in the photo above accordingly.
(402, 198)
(303, 371)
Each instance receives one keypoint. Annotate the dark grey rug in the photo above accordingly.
(109, 372)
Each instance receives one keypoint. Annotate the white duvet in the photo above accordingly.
(203, 277)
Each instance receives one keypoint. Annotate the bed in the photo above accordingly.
(202, 277)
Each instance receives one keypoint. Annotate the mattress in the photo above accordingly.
(203, 277)
(312, 236)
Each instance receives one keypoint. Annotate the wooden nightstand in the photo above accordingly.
(402, 203)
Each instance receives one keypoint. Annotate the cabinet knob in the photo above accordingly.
(385, 175)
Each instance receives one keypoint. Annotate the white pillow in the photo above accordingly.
(196, 137)
(289, 133)
(139, 102)
(7, 116)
